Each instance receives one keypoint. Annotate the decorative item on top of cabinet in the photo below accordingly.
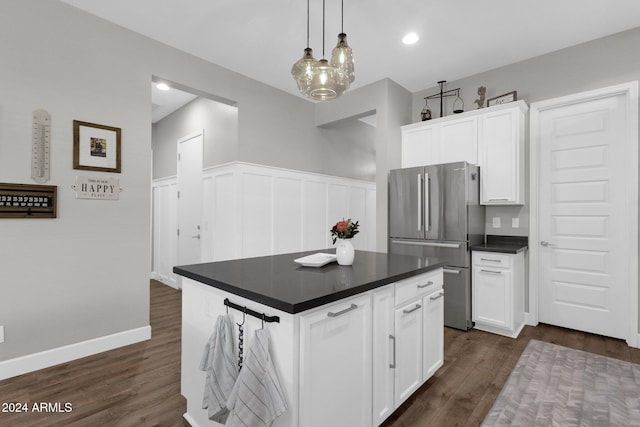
(444, 94)
(503, 99)
(481, 92)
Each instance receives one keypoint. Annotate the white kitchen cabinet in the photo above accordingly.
(502, 155)
(434, 142)
(383, 354)
(498, 292)
(459, 141)
(335, 364)
(491, 137)
(420, 145)
(402, 330)
(433, 333)
(408, 350)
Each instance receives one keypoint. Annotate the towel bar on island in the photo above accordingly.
(244, 309)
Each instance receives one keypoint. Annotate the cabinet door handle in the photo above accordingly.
(491, 271)
(353, 307)
(418, 306)
(429, 283)
(489, 259)
(435, 297)
(450, 271)
(393, 365)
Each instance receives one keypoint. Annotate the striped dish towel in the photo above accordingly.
(257, 399)
(218, 359)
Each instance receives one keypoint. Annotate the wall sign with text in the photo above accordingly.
(97, 188)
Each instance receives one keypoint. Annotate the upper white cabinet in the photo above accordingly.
(502, 156)
(459, 140)
(420, 144)
(491, 137)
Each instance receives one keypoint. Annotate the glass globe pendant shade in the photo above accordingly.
(342, 57)
(303, 69)
(328, 82)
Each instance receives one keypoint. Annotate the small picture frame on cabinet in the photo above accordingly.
(503, 99)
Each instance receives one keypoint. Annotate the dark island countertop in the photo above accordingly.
(503, 244)
(279, 282)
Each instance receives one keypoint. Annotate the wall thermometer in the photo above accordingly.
(41, 144)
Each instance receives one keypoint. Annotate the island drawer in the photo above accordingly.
(416, 286)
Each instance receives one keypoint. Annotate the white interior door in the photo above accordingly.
(190, 198)
(585, 181)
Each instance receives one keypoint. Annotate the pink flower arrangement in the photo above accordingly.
(344, 230)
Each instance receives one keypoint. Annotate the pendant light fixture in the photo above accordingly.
(303, 69)
(321, 80)
(342, 55)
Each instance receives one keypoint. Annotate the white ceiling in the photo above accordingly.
(458, 38)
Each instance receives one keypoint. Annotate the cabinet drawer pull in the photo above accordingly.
(393, 365)
(491, 271)
(429, 283)
(498, 200)
(489, 259)
(418, 306)
(353, 307)
(435, 297)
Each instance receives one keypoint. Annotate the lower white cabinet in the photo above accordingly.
(408, 339)
(408, 350)
(498, 292)
(335, 365)
(433, 333)
(384, 354)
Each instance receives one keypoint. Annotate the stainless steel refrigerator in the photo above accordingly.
(435, 211)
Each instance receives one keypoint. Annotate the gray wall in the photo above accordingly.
(345, 148)
(220, 124)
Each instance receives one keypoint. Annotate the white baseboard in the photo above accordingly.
(44, 359)
(530, 320)
(188, 418)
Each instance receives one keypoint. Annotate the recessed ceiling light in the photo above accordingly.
(410, 38)
(163, 86)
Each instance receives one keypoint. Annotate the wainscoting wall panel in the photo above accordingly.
(253, 210)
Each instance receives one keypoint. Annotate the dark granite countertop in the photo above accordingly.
(504, 244)
(279, 282)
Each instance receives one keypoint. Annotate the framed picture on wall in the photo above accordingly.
(96, 147)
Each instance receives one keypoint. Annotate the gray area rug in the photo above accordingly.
(553, 385)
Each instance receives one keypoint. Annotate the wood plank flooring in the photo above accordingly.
(139, 385)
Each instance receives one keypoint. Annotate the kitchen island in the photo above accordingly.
(349, 343)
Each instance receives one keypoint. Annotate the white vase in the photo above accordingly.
(345, 252)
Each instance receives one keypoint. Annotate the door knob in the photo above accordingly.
(545, 243)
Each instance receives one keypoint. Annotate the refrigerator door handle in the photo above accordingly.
(427, 207)
(419, 202)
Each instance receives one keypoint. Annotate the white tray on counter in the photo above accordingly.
(316, 260)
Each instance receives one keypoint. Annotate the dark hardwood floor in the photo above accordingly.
(139, 385)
